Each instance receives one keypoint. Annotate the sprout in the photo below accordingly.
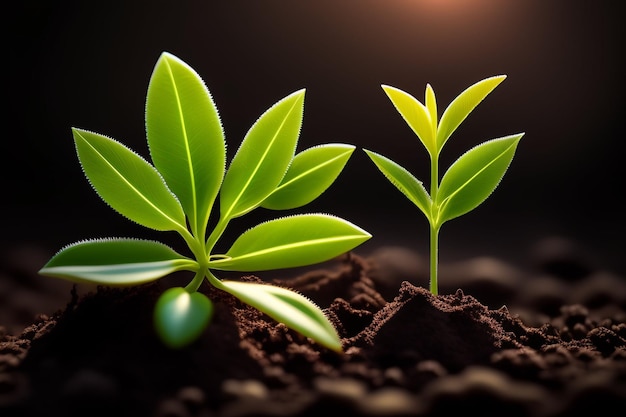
(178, 193)
(468, 181)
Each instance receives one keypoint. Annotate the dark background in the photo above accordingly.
(87, 64)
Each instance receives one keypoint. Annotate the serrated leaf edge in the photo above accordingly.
(78, 130)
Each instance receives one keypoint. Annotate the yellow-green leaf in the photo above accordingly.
(404, 181)
(474, 176)
(415, 114)
(288, 307)
(291, 241)
(115, 262)
(311, 172)
(263, 157)
(431, 105)
(127, 182)
(185, 137)
(463, 105)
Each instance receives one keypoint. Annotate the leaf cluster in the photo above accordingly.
(186, 181)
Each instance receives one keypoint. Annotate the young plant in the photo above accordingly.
(178, 193)
(468, 181)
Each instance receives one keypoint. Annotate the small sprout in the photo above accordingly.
(468, 181)
(178, 193)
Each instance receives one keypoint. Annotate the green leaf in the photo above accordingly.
(291, 242)
(404, 181)
(431, 105)
(180, 317)
(287, 307)
(185, 136)
(463, 105)
(415, 114)
(116, 262)
(127, 182)
(474, 176)
(309, 175)
(263, 157)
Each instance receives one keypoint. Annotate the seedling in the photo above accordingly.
(468, 181)
(187, 147)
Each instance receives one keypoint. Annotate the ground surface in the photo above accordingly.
(551, 344)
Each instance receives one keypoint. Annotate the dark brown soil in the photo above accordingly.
(558, 347)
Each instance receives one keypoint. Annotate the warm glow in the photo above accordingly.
(444, 10)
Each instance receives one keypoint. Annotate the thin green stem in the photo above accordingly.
(215, 235)
(434, 177)
(200, 231)
(434, 220)
(214, 280)
(434, 258)
(197, 248)
(193, 243)
(196, 281)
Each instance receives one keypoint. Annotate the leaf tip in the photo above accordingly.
(499, 78)
(167, 55)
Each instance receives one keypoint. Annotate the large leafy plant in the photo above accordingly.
(178, 193)
(468, 181)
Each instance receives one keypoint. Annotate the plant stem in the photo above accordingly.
(434, 222)
(197, 281)
(213, 280)
(215, 235)
(434, 258)
(194, 244)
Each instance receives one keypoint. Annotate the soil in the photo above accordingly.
(496, 341)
